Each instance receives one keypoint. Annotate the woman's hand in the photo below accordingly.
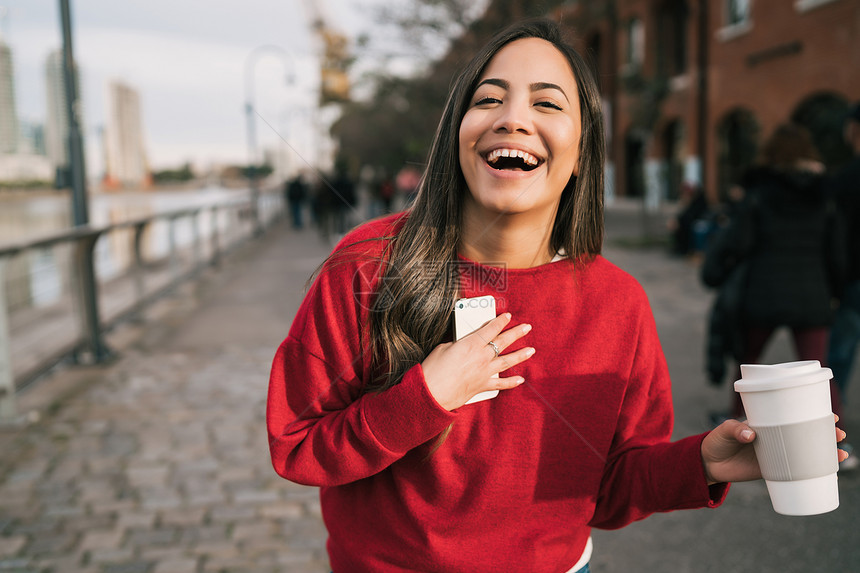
(728, 454)
(457, 371)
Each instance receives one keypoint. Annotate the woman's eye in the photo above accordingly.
(488, 101)
(549, 104)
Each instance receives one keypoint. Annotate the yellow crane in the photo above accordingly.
(335, 60)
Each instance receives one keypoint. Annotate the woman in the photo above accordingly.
(368, 394)
(787, 230)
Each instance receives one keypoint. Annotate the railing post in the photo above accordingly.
(216, 246)
(264, 210)
(255, 228)
(174, 255)
(8, 409)
(88, 301)
(196, 246)
(138, 272)
(280, 206)
(234, 223)
(256, 222)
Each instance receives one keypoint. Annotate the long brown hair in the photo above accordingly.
(416, 294)
(788, 146)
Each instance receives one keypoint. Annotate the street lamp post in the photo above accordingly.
(80, 213)
(251, 120)
(87, 284)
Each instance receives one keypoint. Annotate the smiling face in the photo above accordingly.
(519, 138)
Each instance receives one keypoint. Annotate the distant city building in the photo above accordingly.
(124, 147)
(25, 167)
(56, 118)
(32, 138)
(21, 143)
(8, 110)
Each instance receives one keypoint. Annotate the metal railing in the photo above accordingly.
(49, 315)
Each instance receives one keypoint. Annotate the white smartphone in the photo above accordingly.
(470, 314)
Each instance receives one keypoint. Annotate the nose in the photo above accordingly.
(513, 117)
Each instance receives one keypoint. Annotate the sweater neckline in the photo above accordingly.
(558, 261)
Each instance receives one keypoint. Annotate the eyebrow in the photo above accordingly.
(537, 86)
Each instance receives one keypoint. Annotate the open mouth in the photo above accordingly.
(512, 160)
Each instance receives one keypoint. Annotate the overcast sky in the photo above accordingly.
(187, 60)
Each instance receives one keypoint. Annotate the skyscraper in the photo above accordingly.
(56, 118)
(8, 110)
(126, 156)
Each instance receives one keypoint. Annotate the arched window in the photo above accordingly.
(634, 165)
(824, 115)
(674, 145)
(737, 145)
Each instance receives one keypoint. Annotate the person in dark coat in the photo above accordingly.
(297, 194)
(845, 332)
(693, 215)
(343, 198)
(845, 186)
(788, 232)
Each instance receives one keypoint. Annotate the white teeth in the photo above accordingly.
(528, 158)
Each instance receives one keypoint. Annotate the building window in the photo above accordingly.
(807, 5)
(635, 42)
(672, 19)
(737, 12)
(737, 19)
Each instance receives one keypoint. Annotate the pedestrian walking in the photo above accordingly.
(386, 194)
(297, 194)
(845, 332)
(689, 229)
(372, 398)
(343, 199)
(786, 237)
(407, 182)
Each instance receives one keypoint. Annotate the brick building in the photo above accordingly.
(691, 88)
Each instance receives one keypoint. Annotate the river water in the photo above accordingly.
(24, 217)
(39, 277)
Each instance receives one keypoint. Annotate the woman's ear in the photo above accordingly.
(576, 168)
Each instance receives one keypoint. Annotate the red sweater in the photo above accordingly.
(522, 477)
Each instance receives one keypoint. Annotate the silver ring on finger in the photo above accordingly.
(495, 348)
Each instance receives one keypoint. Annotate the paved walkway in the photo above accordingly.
(158, 463)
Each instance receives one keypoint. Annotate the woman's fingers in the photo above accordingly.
(455, 372)
(511, 335)
(492, 329)
(507, 383)
(492, 332)
(511, 359)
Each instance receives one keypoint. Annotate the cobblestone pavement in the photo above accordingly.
(158, 463)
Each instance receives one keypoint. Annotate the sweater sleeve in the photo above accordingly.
(323, 428)
(645, 472)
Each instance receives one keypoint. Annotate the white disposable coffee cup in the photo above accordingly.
(788, 406)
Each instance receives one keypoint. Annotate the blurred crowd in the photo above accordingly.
(336, 202)
(783, 251)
